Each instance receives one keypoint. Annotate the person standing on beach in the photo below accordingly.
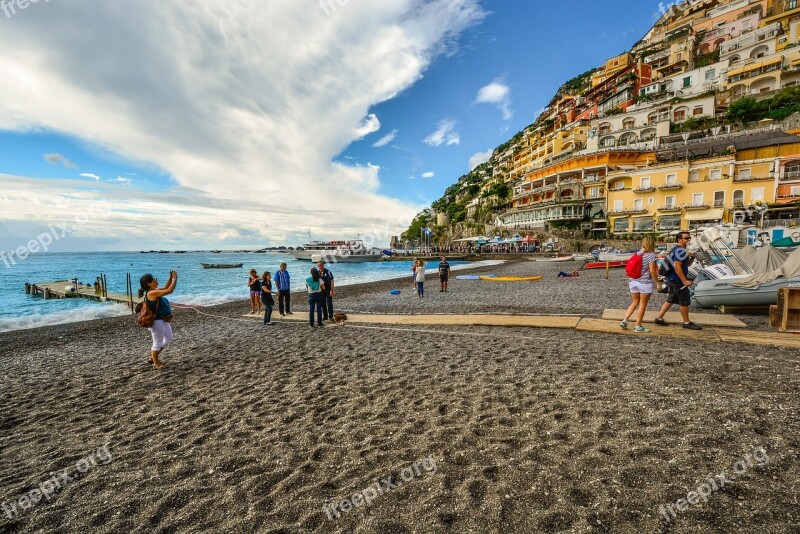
(420, 277)
(414, 273)
(283, 285)
(266, 297)
(314, 284)
(642, 288)
(254, 283)
(327, 291)
(678, 283)
(444, 274)
(155, 299)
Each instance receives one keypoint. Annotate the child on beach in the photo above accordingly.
(641, 288)
(155, 300)
(420, 277)
(414, 273)
(266, 297)
(254, 283)
(315, 285)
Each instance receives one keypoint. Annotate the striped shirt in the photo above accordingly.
(647, 259)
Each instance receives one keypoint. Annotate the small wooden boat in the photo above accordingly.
(221, 265)
(603, 264)
(511, 278)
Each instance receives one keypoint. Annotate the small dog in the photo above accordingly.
(339, 318)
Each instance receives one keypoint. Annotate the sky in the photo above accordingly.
(197, 124)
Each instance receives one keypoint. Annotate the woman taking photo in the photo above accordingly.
(154, 298)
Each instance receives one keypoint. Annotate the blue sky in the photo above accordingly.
(245, 125)
(532, 47)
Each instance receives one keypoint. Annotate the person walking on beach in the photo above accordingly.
(420, 277)
(642, 288)
(254, 283)
(155, 299)
(444, 274)
(327, 291)
(283, 285)
(266, 297)
(314, 284)
(678, 283)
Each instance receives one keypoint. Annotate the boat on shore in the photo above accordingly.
(221, 265)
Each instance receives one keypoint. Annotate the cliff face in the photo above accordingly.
(682, 76)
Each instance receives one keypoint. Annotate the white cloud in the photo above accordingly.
(479, 157)
(158, 92)
(122, 180)
(386, 139)
(55, 159)
(90, 175)
(369, 125)
(428, 174)
(498, 94)
(444, 134)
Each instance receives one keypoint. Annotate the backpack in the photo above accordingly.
(146, 316)
(633, 267)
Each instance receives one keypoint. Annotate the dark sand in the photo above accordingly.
(254, 429)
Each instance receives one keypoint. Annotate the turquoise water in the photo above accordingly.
(196, 286)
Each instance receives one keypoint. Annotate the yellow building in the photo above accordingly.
(681, 194)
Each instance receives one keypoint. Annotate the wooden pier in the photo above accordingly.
(66, 289)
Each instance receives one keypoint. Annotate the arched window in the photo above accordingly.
(608, 142)
(738, 197)
(652, 118)
(759, 51)
(629, 123)
(680, 114)
(734, 59)
(605, 128)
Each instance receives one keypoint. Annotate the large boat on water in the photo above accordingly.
(350, 251)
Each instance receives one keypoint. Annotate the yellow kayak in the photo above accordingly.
(511, 278)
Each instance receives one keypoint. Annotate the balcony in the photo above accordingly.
(628, 211)
(594, 179)
(790, 176)
(738, 178)
(670, 209)
(670, 187)
(702, 206)
(648, 189)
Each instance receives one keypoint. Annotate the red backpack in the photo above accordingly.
(633, 267)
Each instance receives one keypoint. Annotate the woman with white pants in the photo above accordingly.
(155, 299)
(643, 287)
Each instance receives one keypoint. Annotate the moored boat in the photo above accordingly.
(221, 265)
(349, 251)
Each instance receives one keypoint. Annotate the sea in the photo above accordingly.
(196, 286)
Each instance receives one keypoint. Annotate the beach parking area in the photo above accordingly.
(396, 428)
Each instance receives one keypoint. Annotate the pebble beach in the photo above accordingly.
(400, 429)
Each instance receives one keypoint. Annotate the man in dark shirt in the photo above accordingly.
(327, 292)
(444, 274)
(678, 283)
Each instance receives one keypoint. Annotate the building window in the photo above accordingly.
(795, 190)
(628, 124)
(621, 225)
(652, 118)
(645, 183)
(669, 202)
(638, 204)
(697, 199)
(668, 223)
(694, 176)
(687, 82)
(791, 4)
(697, 111)
(605, 128)
(719, 199)
(680, 115)
(643, 224)
(715, 174)
(738, 197)
(744, 174)
(594, 192)
(792, 171)
(617, 205)
(757, 194)
(672, 179)
(711, 74)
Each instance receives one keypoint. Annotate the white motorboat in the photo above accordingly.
(350, 251)
(571, 257)
(614, 256)
(734, 282)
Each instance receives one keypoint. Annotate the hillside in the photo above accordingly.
(707, 66)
